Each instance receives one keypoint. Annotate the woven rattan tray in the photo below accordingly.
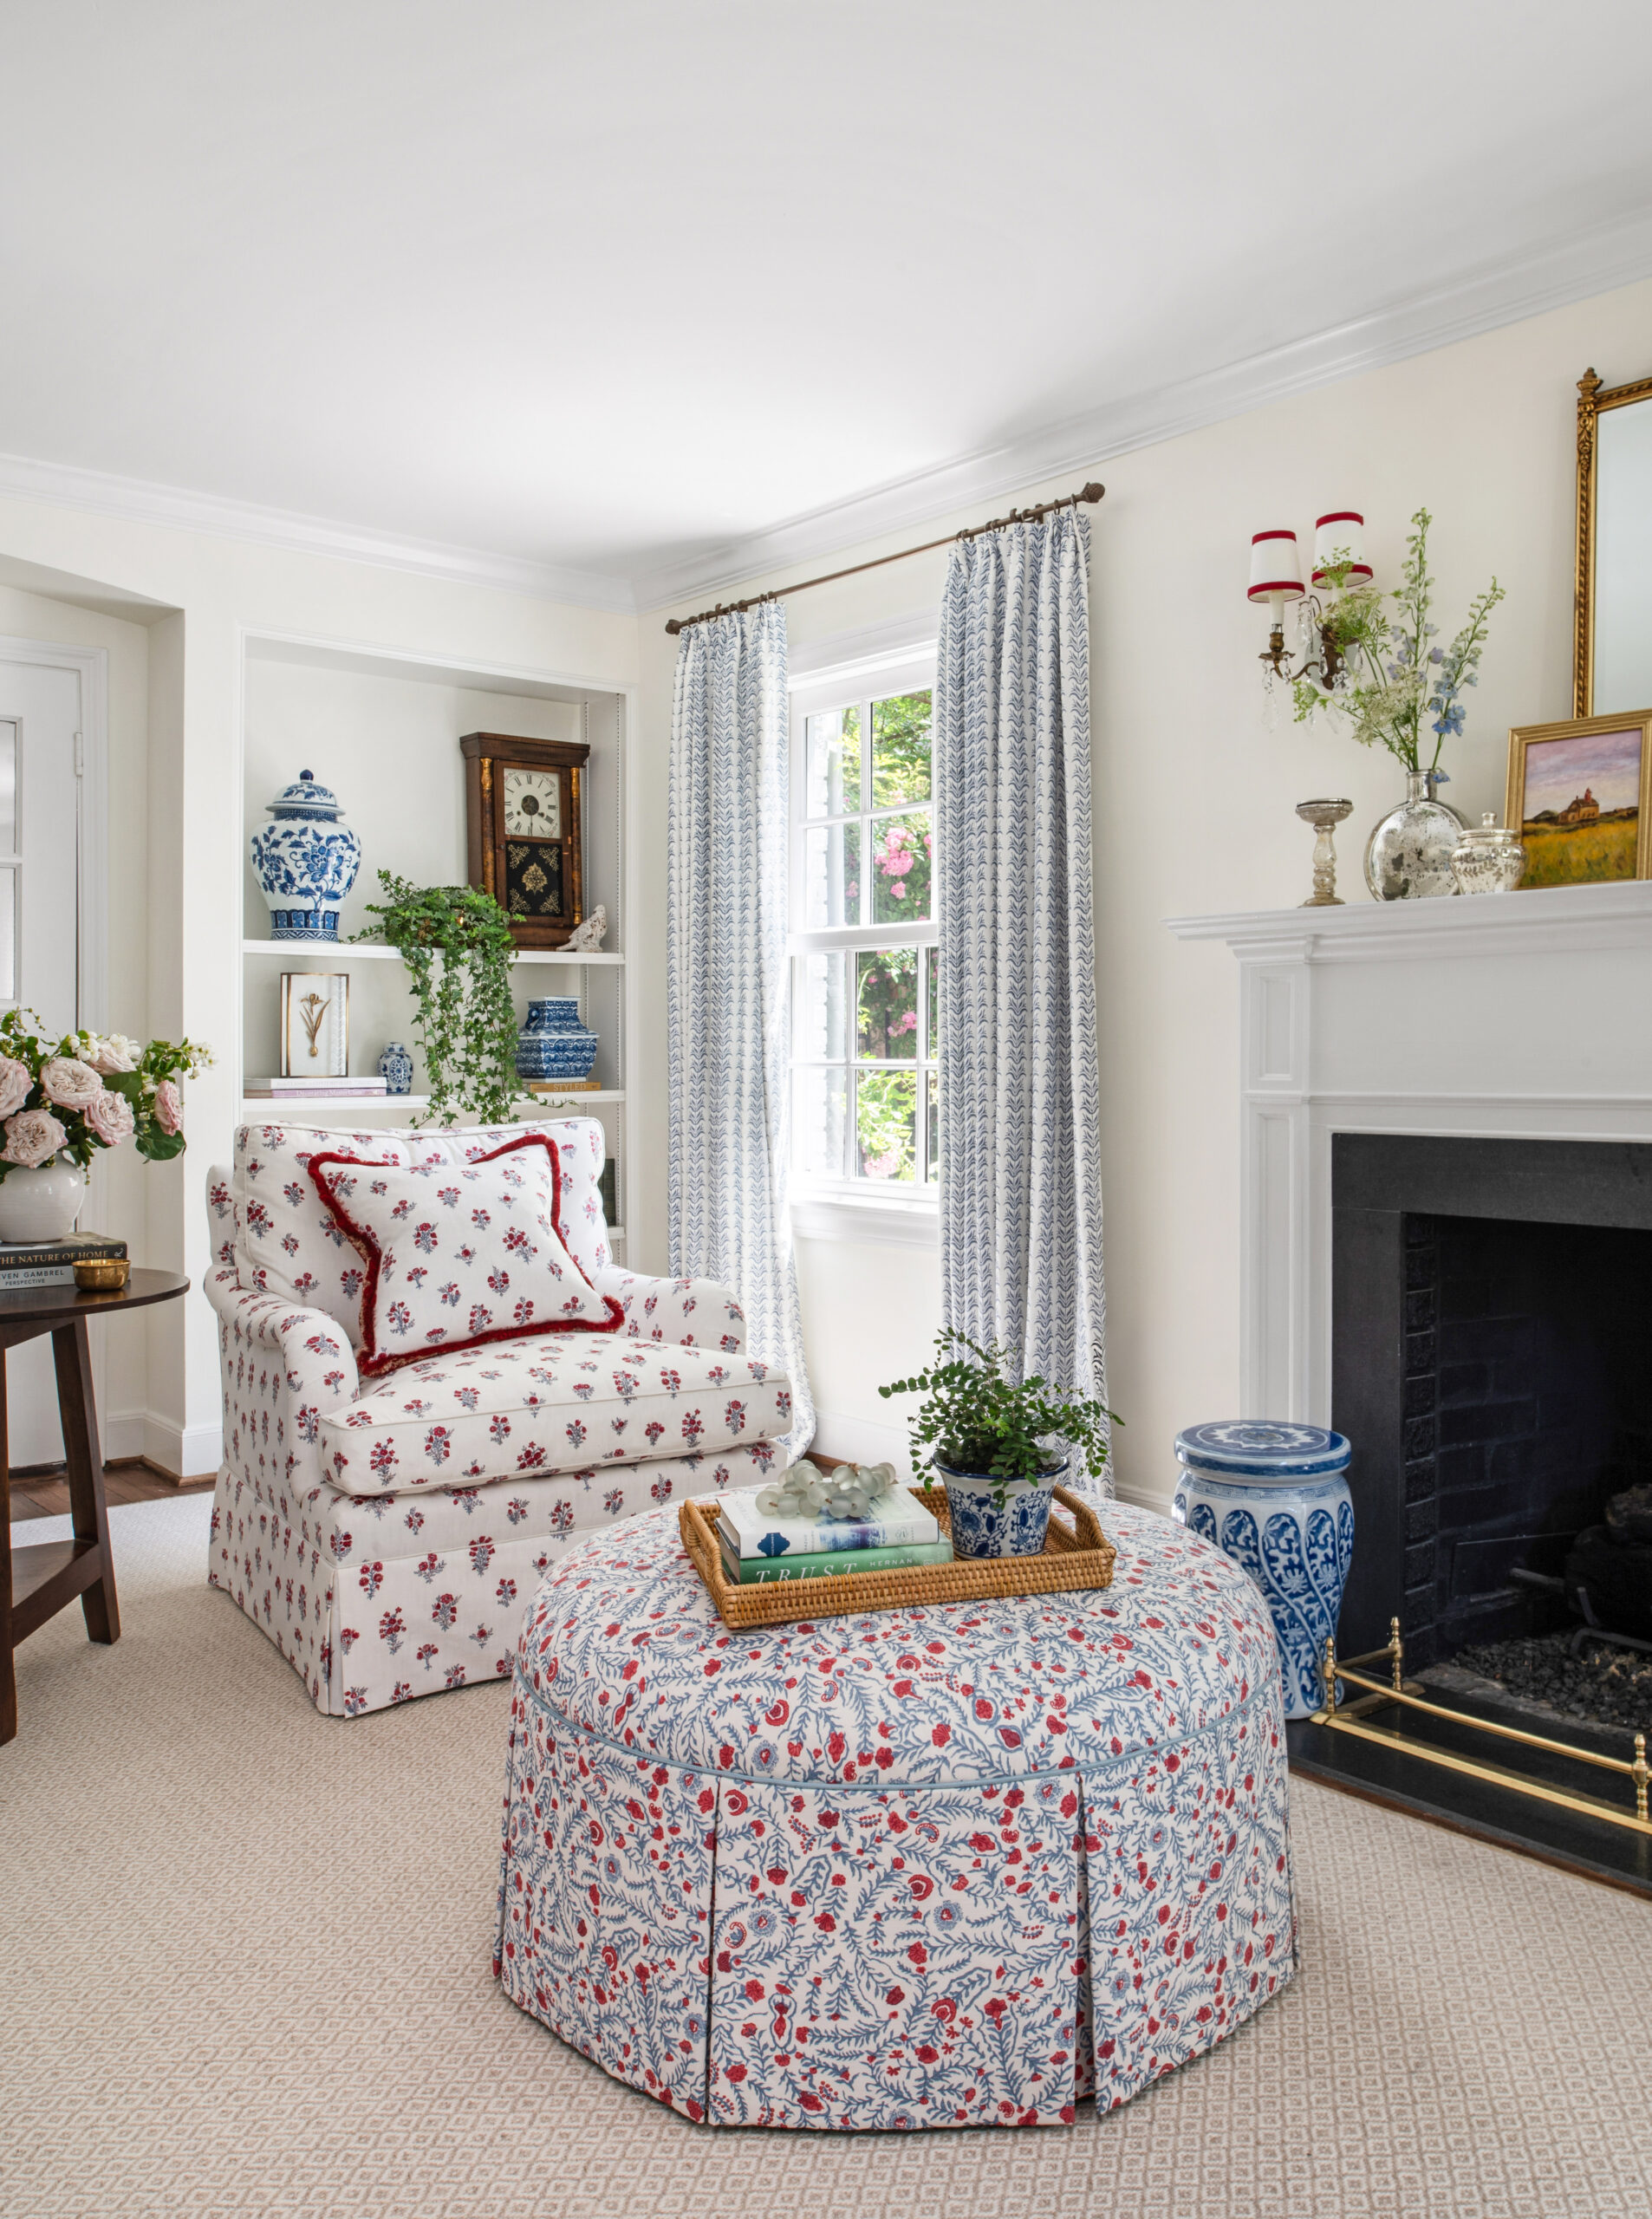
(1081, 1557)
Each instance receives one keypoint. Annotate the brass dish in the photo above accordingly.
(1072, 1558)
(107, 1276)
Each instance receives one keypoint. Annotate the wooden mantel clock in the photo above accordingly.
(522, 807)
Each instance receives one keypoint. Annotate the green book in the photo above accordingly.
(763, 1572)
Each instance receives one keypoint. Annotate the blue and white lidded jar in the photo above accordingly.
(553, 1045)
(396, 1068)
(1274, 1497)
(306, 861)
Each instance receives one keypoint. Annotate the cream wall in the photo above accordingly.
(208, 593)
(1195, 799)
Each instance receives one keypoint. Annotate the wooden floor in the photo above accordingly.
(47, 1496)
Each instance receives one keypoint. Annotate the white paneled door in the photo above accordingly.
(42, 752)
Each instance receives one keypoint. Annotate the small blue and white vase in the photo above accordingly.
(396, 1068)
(1274, 1497)
(306, 861)
(984, 1526)
(553, 1045)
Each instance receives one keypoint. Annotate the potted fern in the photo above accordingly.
(999, 1443)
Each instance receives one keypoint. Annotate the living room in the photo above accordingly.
(926, 678)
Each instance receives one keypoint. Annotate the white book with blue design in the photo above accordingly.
(893, 1520)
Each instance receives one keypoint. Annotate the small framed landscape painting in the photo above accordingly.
(1581, 794)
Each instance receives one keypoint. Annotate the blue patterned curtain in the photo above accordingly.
(728, 1006)
(1020, 1127)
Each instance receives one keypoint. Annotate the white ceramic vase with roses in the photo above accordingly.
(60, 1100)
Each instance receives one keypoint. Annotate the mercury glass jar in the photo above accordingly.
(1489, 858)
(1407, 857)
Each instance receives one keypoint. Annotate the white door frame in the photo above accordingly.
(91, 891)
(92, 905)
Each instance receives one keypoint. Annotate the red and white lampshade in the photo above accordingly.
(1340, 533)
(1276, 569)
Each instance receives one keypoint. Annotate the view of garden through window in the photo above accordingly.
(864, 1017)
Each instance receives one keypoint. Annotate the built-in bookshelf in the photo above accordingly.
(382, 730)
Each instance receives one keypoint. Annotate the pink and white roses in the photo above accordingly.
(69, 1082)
(33, 1137)
(17, 1084)
(89, 1090)
(110, 1118)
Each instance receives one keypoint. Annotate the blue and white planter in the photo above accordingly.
(1274, 1497)
(984, 1526)
(553, 1045)
(306, 861)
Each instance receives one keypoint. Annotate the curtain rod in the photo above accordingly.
(1092, 493)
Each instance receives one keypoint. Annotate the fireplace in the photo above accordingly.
(1491, 1362)
(1444, 1130)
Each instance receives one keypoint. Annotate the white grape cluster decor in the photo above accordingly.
(807, 1492)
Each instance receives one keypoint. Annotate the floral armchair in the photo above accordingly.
(388, 1533)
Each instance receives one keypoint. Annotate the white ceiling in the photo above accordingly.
(618, 286)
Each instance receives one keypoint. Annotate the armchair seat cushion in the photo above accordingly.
(527, 1408)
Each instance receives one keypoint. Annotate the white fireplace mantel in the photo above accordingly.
(1525, 1015)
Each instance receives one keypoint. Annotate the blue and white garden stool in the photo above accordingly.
(1274, 1497)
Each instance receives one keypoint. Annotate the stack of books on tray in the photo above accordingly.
(759, 1548)
(318, 1089)
(28, 1264)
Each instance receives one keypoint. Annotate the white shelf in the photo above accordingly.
(353, 1105)
(367, 953)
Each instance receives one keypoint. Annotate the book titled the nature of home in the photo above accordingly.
(894, 1521)
(26, 1264)
(762, 1571)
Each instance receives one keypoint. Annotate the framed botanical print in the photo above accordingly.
(1580, 795)
(314, 1024)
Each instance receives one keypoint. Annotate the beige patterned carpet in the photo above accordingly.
(244, 1967)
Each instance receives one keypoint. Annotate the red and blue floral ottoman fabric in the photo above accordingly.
(963, 1866)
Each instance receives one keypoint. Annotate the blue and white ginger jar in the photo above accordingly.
(306, 861)
(1274, 1497)
(396, 1068)
(553, 1045)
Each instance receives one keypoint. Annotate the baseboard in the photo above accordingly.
(860, 1440)
(171, 1451)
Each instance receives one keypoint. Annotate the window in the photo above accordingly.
(865, 1039)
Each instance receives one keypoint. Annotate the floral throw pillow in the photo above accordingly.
(455, 1255)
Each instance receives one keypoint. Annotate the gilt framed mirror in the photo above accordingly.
(1612, 642)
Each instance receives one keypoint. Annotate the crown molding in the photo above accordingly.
(1507, 292)
(173, 508)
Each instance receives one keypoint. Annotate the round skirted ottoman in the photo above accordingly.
(956, 1866)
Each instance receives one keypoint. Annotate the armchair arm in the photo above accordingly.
(282, 1368)
(681, 1313)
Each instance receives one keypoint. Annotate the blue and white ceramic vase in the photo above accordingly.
(553, 1045)
(1274, 1497)
(396, 1068)
(984, 1526)
(306, 861)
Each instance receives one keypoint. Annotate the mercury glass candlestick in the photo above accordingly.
(1325, 816)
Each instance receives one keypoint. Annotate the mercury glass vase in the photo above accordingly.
(1407, 857)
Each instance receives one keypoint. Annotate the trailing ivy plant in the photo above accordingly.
(466, 1025)
(976, 1418)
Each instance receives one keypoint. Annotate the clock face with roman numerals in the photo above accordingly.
(533, 803)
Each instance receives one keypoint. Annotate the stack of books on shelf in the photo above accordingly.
(317, 1089)
(759, 1548)
(547, 1087)
(27, 1264)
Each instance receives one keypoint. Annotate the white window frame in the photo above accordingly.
(848, 1208)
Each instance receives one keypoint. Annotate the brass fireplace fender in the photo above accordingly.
(1351, 1717)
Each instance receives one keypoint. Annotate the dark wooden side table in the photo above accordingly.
(37, 1582)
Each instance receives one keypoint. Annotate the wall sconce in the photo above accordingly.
(1276, 577)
